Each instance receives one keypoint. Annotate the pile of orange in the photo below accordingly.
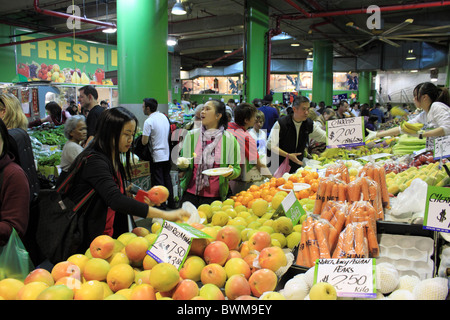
(268, 189)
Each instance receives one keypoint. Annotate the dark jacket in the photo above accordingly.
(288, 138)
(14, 199)
(98, 173)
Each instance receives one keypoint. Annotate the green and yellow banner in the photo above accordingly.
(65, 60)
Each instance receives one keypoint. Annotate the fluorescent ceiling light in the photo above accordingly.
(282, 36)
(295, 44)
(171, 42)
(228, 51)
(110, 30)
(209, 66)
(178, 9)
(414, 71)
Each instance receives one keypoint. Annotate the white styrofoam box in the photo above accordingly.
(411, 255)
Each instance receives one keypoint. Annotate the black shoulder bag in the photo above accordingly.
(60, 228)
(143, 152)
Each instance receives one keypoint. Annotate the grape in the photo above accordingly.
(33, 69)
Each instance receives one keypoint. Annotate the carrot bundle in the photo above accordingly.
(378, 174)
(330, 188)
(367, 189)
(353, 242)
(338, 169)
(315, 241)
(363, 212)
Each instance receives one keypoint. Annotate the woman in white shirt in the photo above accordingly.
(435, 117)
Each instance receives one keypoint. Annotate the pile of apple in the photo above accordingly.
(261, 216)
(120, 269)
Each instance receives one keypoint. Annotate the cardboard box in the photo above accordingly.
(144, 183)
(140, 169)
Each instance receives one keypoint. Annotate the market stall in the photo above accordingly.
(362, 206)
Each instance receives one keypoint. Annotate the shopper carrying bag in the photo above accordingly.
(60, 230)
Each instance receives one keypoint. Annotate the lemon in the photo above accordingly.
(220, 218)
(280, 238)
(259, 207)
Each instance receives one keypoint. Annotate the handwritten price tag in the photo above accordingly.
(346, 132)
(350, 277)
(173, 243)
(436, 209)
(442, 147)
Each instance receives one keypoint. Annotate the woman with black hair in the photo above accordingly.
(209, 147)
(435, 117)
(56, 115)
(106, 170)
(14, 192)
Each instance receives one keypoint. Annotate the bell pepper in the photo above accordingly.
(99, 75)
(23, 69)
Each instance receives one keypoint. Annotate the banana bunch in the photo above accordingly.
(397, 111)
(410, 127)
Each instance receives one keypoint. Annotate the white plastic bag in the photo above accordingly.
(195, 217)
(411, 200)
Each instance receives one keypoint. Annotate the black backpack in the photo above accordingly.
(23, 153)
(20, 145)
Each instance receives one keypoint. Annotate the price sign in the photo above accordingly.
(173, 243)
(441, 147)
(350, 277)
(437, 209)
(347, 132)
(292, 208)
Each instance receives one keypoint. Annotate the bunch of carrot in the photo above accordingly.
(330, 188)
(366, 189)
(342, 230)
(352, 242)
(338, 169)
(360, 232)
(315, 241)
(378, 174)
(361, 188)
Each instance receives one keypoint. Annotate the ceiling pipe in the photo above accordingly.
(224, 57)
(326, 21)
(67, 16)
(308, 15)
(62, 35)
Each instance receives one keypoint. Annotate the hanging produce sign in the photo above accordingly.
(347, 132)
(173, 243)
(437, 209)
(65, 60)
(350, 277)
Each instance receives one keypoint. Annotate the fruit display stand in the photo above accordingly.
(253, 248)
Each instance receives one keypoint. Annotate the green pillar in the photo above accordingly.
(364, 87)
(255, 57)
(322, 89)
(142, 28)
